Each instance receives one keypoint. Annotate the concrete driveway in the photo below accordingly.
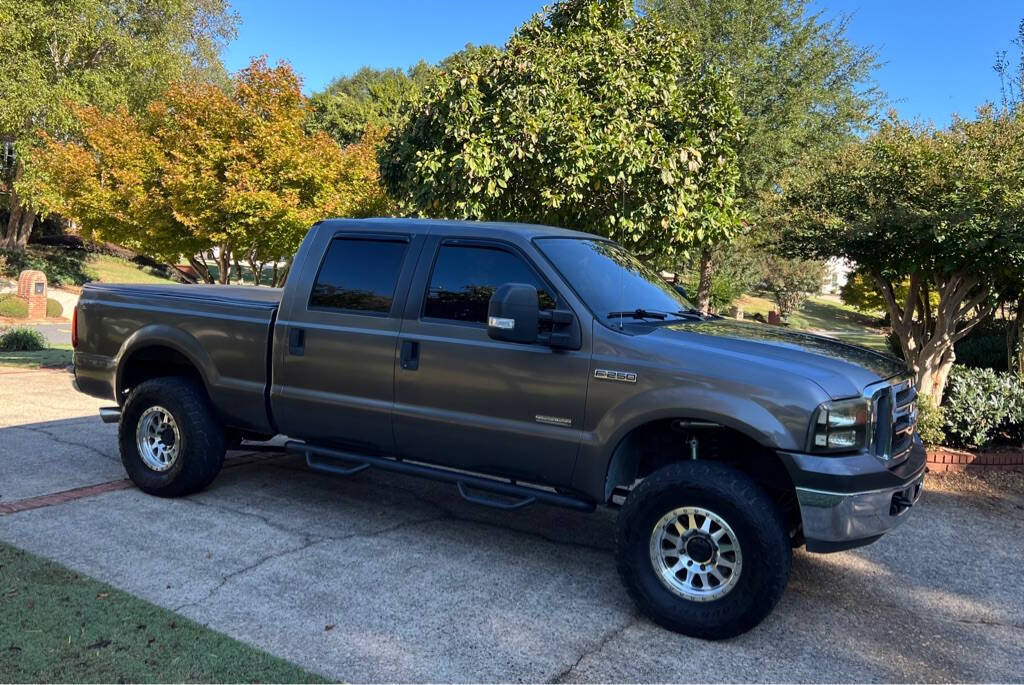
(386, 578)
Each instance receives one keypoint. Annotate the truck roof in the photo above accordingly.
(476, 229)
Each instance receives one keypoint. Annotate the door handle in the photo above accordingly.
(410, 356)
(297, 341)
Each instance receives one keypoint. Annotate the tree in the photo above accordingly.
(107, 53)
(940, 209)
(378, 98)
(206, 167)
(801, 85)
(791, 281)
(372, 98)
(1011, 90)
(590, 118)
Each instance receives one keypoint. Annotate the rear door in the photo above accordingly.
(467, 401)
(335, 343)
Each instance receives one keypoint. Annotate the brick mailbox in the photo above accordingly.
(32, 289)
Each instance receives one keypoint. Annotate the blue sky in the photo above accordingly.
(938, 54)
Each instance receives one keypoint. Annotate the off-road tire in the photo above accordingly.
(202, 437)
(752, 514)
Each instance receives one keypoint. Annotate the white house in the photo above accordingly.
(837, 272)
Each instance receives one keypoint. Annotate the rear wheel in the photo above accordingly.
(171, 442)
(702, 549)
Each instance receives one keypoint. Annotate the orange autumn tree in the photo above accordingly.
(210, 167)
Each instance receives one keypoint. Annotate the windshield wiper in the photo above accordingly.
(643, 314)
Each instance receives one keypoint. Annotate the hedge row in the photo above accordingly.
(16, 308)
(981, 406)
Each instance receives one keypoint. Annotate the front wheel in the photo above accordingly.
(702, 549)
(171, 441)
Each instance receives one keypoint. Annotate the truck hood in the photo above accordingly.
(841, 369)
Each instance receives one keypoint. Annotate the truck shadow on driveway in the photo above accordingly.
(387, 577)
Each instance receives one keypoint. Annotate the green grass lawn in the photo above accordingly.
(59, 626)
(56, 356)
(116, 270)
(826, 315)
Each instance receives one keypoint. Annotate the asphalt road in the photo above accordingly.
(386, 578)
(55, 333)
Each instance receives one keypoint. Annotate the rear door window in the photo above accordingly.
(359, 275)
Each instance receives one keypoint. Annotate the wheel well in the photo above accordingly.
(154, 362)
(665, 441)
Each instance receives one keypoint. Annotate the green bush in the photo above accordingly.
(62, 267)
(930, 422)
(982, 405)
(53, 307)
(13, 306)
(22, 339)
(984, 347)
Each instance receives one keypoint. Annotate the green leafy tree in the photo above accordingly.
(1009, 66)
(207, 167)
(591, 118)
(372, 98)
(378, 98)
(801, 85)
(111, 54)
(791, 281)
(939, 209)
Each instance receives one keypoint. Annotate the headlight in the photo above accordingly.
(842, 426)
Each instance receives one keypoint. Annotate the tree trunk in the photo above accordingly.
(1015, 341)
(21, 219)
(223, 264)
(928, 334)
(201, 269)
(932, 376)
(704, 284)
(273, 276)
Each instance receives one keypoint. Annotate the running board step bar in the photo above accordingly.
(326, 459)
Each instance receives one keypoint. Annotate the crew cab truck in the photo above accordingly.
(523, 364)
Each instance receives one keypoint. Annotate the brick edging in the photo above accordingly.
(945, 459)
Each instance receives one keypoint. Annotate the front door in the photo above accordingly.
(467, 401)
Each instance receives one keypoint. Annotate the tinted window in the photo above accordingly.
(359, 275)
(465, 277)
(609, 278)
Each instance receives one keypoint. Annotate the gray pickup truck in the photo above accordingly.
(523, 364)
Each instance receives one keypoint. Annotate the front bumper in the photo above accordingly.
(838, 512)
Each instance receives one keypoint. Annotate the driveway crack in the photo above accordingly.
(68, 443)
(564, 675)
(306, 544)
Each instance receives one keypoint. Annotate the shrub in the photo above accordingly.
(53, 307)
(13, 306)
(62, 267)
(984, 347)
(981, 405)
(930, 422)
(22, 339)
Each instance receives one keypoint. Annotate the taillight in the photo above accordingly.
(74, 327)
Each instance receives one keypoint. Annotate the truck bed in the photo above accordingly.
(139, 322)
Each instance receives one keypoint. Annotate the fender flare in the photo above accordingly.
(160, 335)
(739, 414)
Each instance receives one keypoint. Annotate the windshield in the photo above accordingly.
(610, 280)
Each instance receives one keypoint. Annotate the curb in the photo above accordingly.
(947, 460)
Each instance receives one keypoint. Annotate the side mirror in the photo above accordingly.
(513, 313)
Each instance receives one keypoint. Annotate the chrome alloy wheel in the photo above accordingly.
(158, 439)
(695, 554)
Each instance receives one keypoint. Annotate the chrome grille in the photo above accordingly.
(895, 410)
